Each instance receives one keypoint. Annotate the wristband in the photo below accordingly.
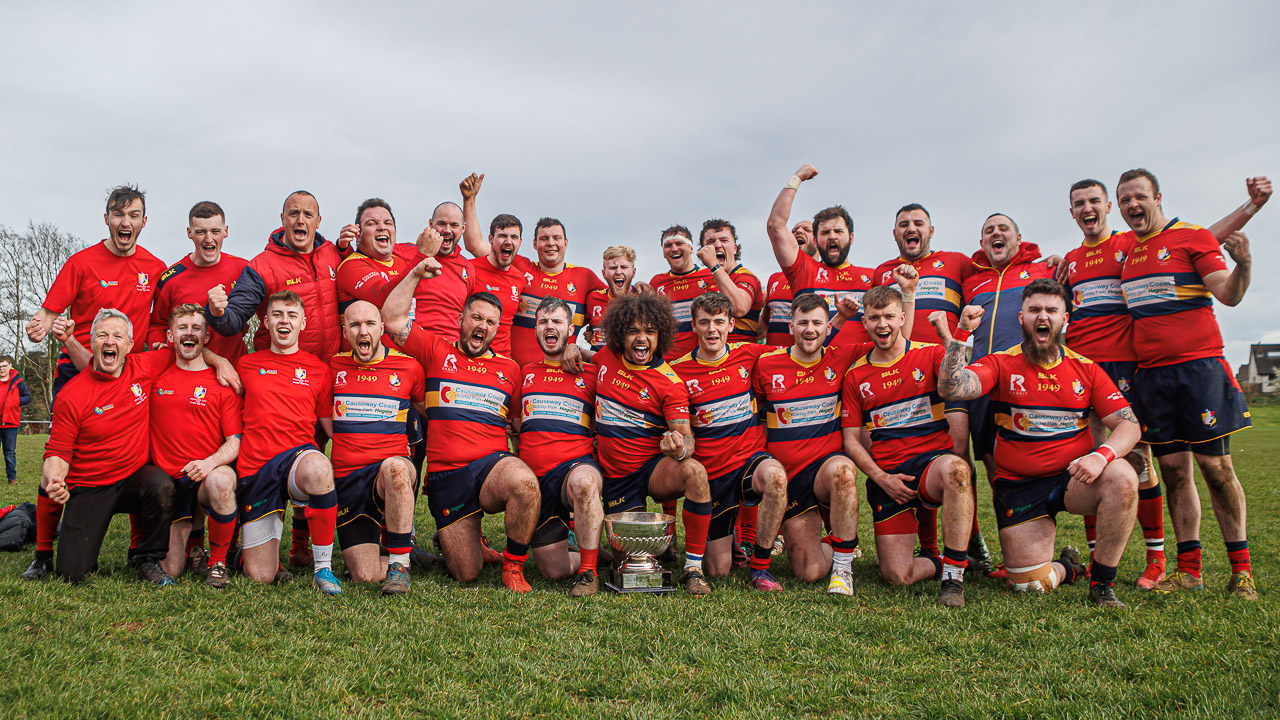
(793, 183)
(1250, 209)
(1106, 452)
(683, 450)
(714, 268)
(962, 335)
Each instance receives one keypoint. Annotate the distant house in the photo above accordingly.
(1261, 375)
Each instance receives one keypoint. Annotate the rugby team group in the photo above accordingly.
(757, 403)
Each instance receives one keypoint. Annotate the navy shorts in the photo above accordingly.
(1020, 501)
(982, 426)
(1191, 402)
(553, 519)
(630, 492)
(360, 510)
(884, 508)
(455, 494)
(800, 496)
(1121, 373)
(264, 492)
(728, 491)
(185, 498)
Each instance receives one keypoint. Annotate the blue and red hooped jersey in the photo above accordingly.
(682, 290)
(811, 276)
(778, 300)
(371, 408)
(557, 415)
(572, 284)
(634, 403)
(898, 404)
(722, 407)
(506, 285)
(1100, 326)
(744, 328)
(940, 287)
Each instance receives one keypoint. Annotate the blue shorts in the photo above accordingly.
(800, 496)
(1121, 373)
(982, 426)
(1021, 501)
(884, 508)
(553, 519)
(630, 492)
(360, 509)
(264, 492)
(1191, 402)
(455, 494)
(728, 491)
(185, 498)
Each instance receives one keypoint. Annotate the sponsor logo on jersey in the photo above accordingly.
(779, 382)
(1017, 383)
(266, 371)
(102, 409)
(340, 379)
(451, 363)
(108, 283)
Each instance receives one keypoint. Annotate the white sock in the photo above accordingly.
(323, 556)
(842, 561)
(402, 559)
(692, 561)
(952, 572)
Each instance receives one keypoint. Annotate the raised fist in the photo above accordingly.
(63, 328)
(807, 172)
(1237, 246)
(906, 276)
(470, 186)
(970, 317)
(429, 242)
(707, 254)
(217, 300)
(848, 306)
(348, 236)
(1259, 190)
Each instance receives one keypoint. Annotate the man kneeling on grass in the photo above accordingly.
(1045, 459)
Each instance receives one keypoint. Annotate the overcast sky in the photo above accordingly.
(621, 120)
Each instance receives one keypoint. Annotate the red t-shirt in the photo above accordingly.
(811, 276)
(191, 417)
(941, 287)
(371, 407)
(682, 290)
(187, 282)
(572, 285)
(284, 396)
(633, 405)
(1100, 326)
(802, 403)
(439, 299)
(722, 408)
(778, 301)
(1042, 414)
(1163, 284)
(507, 285)
(101, 423)
(469, 400)
(898, 404)
(95, 278)
(556, 415)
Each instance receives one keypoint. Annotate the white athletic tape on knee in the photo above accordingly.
(1033, 578)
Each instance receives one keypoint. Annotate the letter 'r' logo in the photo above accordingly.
(1017, 383)
(779, 382)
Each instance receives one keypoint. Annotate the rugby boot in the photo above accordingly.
(39, 568)
(573, 542)
(197, 560)
(1150, 577)
(587, 583)
(217, 575)
(979, 556)
(301, 557)
(779, 546)
(149, 571)
(1104, 595)
(326, 582)
(998, 572)
(1179, 580)
(420, 559)
(668, 557)
(491, 556)
(1241, 586)
(741, 556)
(397, 582)
(283, 575)
(1070, 557)
(764, 581)
(841, 582)
(694, 582)
(513, 578)
(951, 594)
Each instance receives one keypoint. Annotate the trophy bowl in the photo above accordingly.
(636, 538)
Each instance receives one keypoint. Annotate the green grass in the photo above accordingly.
(113, 648)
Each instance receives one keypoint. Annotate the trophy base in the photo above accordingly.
(641, 582)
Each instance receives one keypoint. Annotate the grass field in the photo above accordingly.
(113, 648)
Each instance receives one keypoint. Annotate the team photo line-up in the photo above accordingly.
(757, 403)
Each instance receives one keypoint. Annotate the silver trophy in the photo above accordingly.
(636, 538)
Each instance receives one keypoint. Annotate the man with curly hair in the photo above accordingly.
(643, 437)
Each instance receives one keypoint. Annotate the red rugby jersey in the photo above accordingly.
(682, 289)
(1100, 326)
(1042, 414)
(469, 400)
(371, 406)
(941, 287)
(361, 277)
(101, 422)
(557, 421)
(1163, 285)
(507, 286)
(898, 404)
(284, 396)
(572, 285)
(802, 402)
(96, 278)
(186, 282)
(192, 416)
(438, 300)
(744, 328)
(633, 405)
(807, 275)
(722, 409)
(597, 304)
(778, 300)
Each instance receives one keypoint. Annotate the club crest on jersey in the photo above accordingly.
(1209, 418)
(865, 279)
(1163, 254)
(937, 264)
(1024, 275)
(579, 383)
(143, 278)
(1124, 385)
(644, 393)
(502, 377)
(300, 376)
(394, 380)
(917, 374)
(136, 389)
(829, 374)
(332, 275)
(1077, 387)
(465, 275)
(573, 288)
(199, 392)
(515, 293)
(742, 372)
(1120, 256)
(702, 284)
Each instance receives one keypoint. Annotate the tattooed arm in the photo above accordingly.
(395, 311)
(955, 380)
(1125, 430)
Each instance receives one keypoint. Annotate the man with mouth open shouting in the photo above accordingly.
(472, 395)
(775, 316)
(682, 283)
(494, 262)
(619, 271)
(1045, 457)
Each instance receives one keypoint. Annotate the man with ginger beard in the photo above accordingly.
(1045, 457)
(472, 394)
(374, 388)
(557, 434)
